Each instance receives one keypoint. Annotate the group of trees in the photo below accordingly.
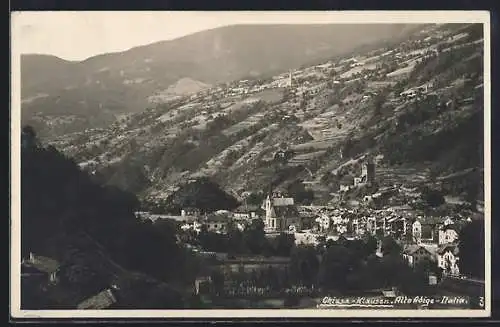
(249, 241)
(471, 249)
(345, 266)
(202, 194)
(459, 144)
(62, 208)
(299, 193)
(433, 197)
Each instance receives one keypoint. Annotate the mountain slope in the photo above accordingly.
(333, 115)
(123, 82)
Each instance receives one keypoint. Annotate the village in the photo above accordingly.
(431, 237)
(374, 202)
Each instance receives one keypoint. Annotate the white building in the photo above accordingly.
(448, 259)
(448, 234)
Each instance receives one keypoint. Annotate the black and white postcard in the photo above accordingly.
(250, 164)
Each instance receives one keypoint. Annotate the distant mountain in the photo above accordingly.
(336, 113)
(123, 82)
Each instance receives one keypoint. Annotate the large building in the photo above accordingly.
(281, 214)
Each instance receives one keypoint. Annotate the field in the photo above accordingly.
(303, 159)
(358, 69)
(250, 121)
(401, 71)
(270, 95)
(316, 145)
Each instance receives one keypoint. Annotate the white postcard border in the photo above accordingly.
(336, 17)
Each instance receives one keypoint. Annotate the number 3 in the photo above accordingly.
(481, 301)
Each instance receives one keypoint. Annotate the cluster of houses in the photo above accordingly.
(434, 238)
(417, 91)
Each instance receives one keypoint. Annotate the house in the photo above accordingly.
(416, 253)
(396, 225)
(426, 230)
(371, 225)
(357, 226)
(103, 300)
(324, 222)
(408, 94)
(281, 213)
(448, 258)
(424, 88)
(358, 180)
(346, 183)
(248, 212)
(190, 212)
(40, 267)
(216, 223)
(448, 233)
(202, 284)
(192, 225)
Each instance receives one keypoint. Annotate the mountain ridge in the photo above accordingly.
(214, 56)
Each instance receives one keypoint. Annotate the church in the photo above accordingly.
(281, 213)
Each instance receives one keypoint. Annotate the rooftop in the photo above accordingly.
(102, 300)
(283, 202)
(247, 208)
(43, 264)
(413, 248)
(453, 247)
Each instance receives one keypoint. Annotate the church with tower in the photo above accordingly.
(281, 213)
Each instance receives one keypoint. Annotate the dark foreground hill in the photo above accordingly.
(92, 232)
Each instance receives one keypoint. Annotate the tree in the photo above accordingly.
(255, 198)
(236, 243)
(433, 198)
(472, 191)
(335, 267)
(203, 194)
(371, 244)
(304, 264)
(28, 137)
(298, 191)
(390, 246)
(394, 271)
(471, 246)
(89, 227)
(283, 244)
(321, 243)
(218, 282)
(255, 237)
(378, 104)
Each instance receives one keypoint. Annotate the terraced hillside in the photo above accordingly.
(60, 96)
(251, 134)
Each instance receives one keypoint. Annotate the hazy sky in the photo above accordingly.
(79, 35)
